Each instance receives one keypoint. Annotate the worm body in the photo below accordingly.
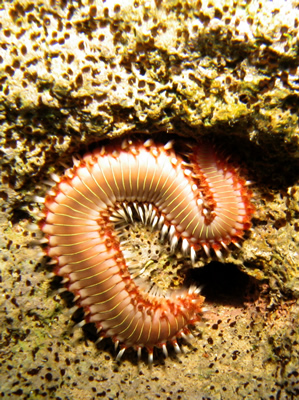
(195, 198)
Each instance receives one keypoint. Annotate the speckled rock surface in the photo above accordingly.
(72, 73)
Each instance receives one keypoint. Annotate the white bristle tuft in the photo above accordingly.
(72, 310)
(199, 202)
(62, 290)
(224, 246)
(155, 221)
(173, 243)
(48, 183)
(161, 222)
(120, 354)
(41, 215)
(177, 348)
(207, 250)
(148, 143)
(130, 212)
(99, 339)
(197, 290)
(139, 349)
(39, 199)
(164, 348)
(55, 178)
(80, 324)
(52, 262)
(141, 214)
(185, 246)
(150, 358)
(124, 144)
(43, 240)
(169, 145)
(76, 162)
(33, 227)
(192, 255)
(219, 254)
(164, 232)
(185, 337)
(171, 232)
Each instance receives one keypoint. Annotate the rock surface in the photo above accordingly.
(72, 74)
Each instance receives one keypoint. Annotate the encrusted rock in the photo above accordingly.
(72, 73)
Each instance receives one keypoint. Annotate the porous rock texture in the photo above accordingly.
(72, 73)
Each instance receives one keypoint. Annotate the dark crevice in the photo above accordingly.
(224, 284)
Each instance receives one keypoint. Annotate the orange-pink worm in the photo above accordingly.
(201, 203)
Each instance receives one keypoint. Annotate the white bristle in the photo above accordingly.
(139, 352)
(177, 348)
(76, 162)
(141, 214)
(120, 354)
(161, 222)
(148, 143)
(164, 348)
(207, 250)
(192, 255)
(39, 199)
(80, 324)
(55, 178)
(62, 290)
(72, 310)
(43, 240)
(52, 262)
(33, 227)
(185, 246)
(150, 358)
(169, 145)
(99, 339)
(173, 243)
(171, 232)
(224, 246)
(155, 221)
(154, 152)
(130, 212)
(164, 231)
(48, 183)
(219, 254)
(124, 144)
